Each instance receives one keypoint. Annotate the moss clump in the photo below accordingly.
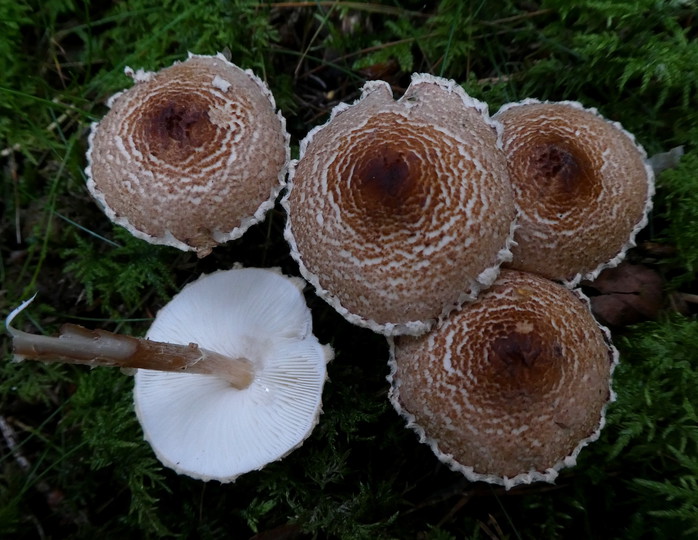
(73, 463)
(676, 205)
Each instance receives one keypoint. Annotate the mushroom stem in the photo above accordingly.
(78, 345)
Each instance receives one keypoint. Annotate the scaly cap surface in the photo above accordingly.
(582, 185)
(190, 156)
(510, 388)
(399, 211)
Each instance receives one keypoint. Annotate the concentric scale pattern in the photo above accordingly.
(511, 387)
(190, 156)
(582, 185)
(399, 211)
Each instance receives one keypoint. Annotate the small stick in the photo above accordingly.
(10, 437)
(8, 434)
(688, 297)
(77, 345)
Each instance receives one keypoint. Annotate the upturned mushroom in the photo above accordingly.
(229, 377)
(400, 211)
(191, 156)
(509, 389)
(582, 184)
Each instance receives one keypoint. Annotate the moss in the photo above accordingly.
(74, 463)
(677, 206)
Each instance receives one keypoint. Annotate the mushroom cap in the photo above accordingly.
(190, 156)
(399, 211)
(582, 184)
(511, 387)
(201, 426)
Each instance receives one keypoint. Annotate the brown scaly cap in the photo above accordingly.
(190, 156)
(582, 184)
(511, 387)
(399, 211)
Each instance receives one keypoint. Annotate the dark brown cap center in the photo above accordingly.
(517, 352)
(175, 128)
(524, 363)
(385, 177)
(560, 173)
(557, 167)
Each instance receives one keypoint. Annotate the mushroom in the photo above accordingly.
(582, 184)
(230, 375)
(190, 156)
(400, 211)
(510, 388)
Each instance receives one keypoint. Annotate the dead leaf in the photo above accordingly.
(626, 294)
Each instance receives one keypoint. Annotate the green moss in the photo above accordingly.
(119, 272)
(655, 420)
(677, 205)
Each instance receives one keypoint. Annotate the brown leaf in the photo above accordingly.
(626, 294)
(387, 71)
(289, 531)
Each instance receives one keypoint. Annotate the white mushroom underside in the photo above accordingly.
(201, 426)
